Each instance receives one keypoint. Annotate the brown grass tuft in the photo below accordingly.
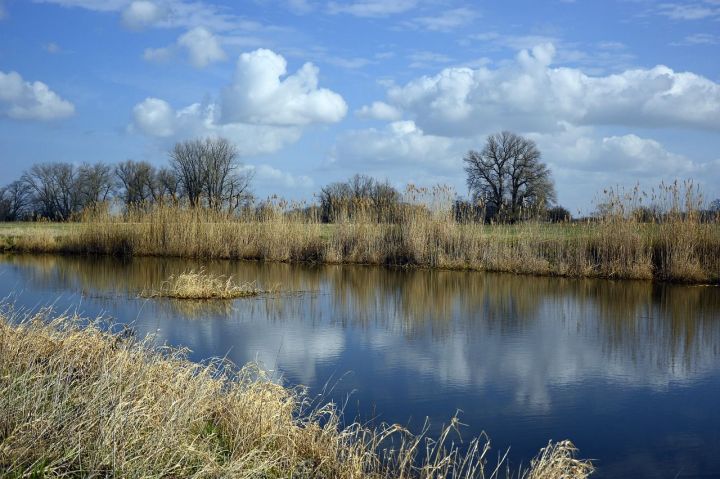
(202, 285)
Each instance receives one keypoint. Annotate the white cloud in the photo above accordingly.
(276, 177)
(425, 59)
(372, 8)
(530, 95)
(143, 13)
(165, 13)
(268, 115)
(581, 148)
(401, 142)
(514, 42)
(300, 6)
(260, 95)
(31, 101)
(349, 63)
(699, 39)
(202, 46)
(159, 55)
(690, 11)
(155, 117)
(379, 110)
(446, 21)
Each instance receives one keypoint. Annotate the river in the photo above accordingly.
(629, 371)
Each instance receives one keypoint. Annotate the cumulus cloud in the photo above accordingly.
(157, 118)
(260, 95)
(581, 148)
(24, 100)
(379, 110)
(269, 114)
(401, 142)
(531, 95)
(202, 46)
(143, 13)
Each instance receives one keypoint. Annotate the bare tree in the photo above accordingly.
(238, 190)
(167, 186)
(509, 177)
(136, 182)
(15, 200)
(95, 183)
(344, 199)
(54, 190)
(221, 169)
(186, 160)
(209, 173)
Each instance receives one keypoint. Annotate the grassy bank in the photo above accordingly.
(680, 248)
(79, 402)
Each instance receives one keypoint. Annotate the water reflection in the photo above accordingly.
(526, 358)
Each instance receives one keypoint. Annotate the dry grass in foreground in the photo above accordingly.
(80, 402)
(202, 285)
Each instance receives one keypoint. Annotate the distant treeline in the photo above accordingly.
(507, 182)
(200, 173)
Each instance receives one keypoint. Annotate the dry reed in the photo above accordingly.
(202, 285)
(676, 244)
(78, 401)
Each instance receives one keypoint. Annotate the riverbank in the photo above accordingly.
(79, 402)
(682, 249)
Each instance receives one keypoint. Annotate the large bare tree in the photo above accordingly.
(509, 177)
(54, 190)
(95, 183)
(137, 182)
(15, 201)
(209, 172)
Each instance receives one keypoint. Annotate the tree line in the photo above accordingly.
(200, 173)
(506, 179)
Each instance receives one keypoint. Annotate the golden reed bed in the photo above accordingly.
(681, 248)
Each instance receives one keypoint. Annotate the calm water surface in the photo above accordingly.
(630, 371)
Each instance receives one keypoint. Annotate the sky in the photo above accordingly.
(614, 92)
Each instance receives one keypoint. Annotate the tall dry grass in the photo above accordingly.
(201, 285)
(77, 401)
(675, 244)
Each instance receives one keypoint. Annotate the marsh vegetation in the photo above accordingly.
(676, 241)
(201, 285)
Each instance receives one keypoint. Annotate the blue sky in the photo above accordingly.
(613, 91)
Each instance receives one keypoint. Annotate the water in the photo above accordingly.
(630, 371)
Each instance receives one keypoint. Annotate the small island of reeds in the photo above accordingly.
(202, 285)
